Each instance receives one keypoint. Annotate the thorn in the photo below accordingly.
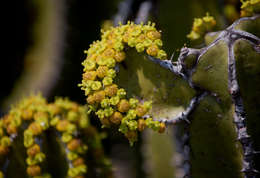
(256, 152)
(172, 55)
(244, 170)
(250, 153)
(185, 118)
(241, 138)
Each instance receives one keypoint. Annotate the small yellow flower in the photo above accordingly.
(96, 85)
(90, 65)
(109, 53)
(99, 96)
(201, 26)
(154, 35)
(116, 118)
(107, 81)
(119, 56)
(111, 90)
(123, 105)
(90, 75)
(152, 50)
(102, 71)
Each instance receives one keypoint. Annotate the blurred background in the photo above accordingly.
(46, 55)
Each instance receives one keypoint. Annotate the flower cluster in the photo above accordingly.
(66, 118)
(250, 7)
(201, 26)
(108, 100)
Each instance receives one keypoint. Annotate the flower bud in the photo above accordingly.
(33, 150)
(116, 118)
(123, 105)
(34, 170)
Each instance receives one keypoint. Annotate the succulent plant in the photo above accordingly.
(40, 139)
(211, 96)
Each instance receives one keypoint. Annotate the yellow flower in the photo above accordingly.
(96, 85)
(103, 96)
(201, 26)
(107, 81)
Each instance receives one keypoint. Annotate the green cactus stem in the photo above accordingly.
(230, 36)
(213, 68)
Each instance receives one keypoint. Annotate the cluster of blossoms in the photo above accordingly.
(250, 7)
(201, 26)
(66, 118)
(105, 98)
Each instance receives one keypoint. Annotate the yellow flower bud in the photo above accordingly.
(116, 118)
(126, 37)
(96, 85)
(141, 124)
(62, 125)
(111, 90)
(11, 129)
(27, 114)
(140, 111)
(162, 54)
(153, 35)
(152, 50)
(111, 62)
(114, 100)
(119, 56)
(3, 150)
(105, 122)
(141, 38)
(54, 109)
(132, 136)
(5, 141)
(90, 75)
(36, 128)
(111, 73)
(73, 144)
(91, 99)
(34, 170)
(77, 162)
(90, 65)
(102, 71)
(162, 127)
(140, 47)
(28, 138)
(123, 105)
(109, 53)
(72, 156)
(99, 96)
(101, 60)
(107, 81)
(33, 150)
(66, 137)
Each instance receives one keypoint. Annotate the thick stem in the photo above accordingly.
(230, 35)
(239, 119)
(183, 116)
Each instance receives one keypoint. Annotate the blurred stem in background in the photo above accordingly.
(43, 59)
